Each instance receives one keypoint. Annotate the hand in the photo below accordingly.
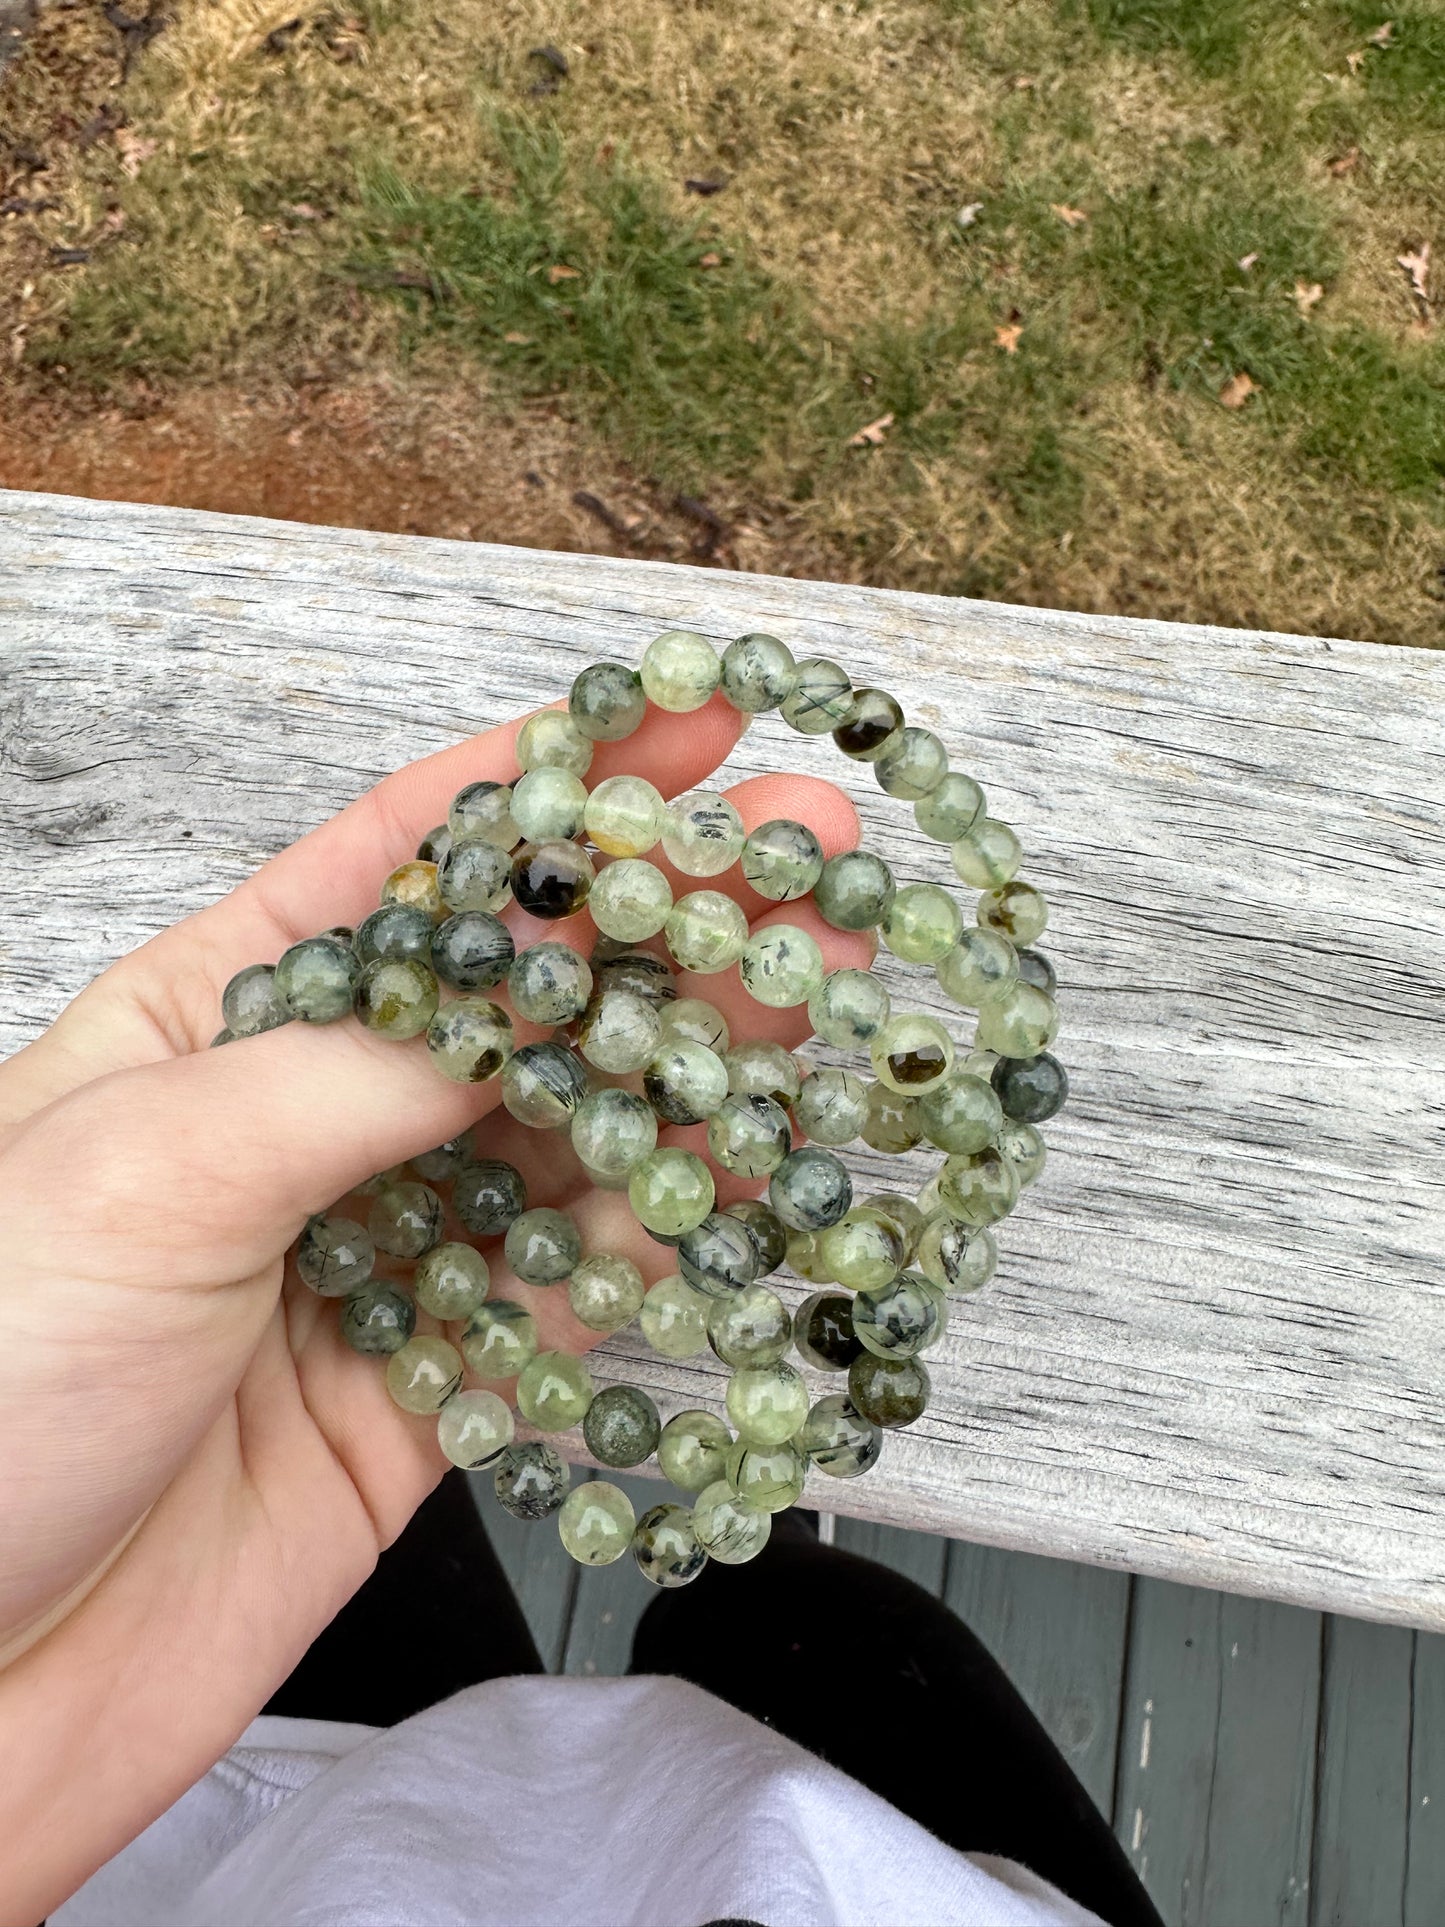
(199, 1472)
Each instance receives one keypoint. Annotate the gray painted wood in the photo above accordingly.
(1214, 1350)
(919, 1556)
(542, 1573)
(1362, 1809)
(1214, 1800)
(1059, 1631)
(1425, 1847)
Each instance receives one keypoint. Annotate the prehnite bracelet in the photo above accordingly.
(628, 1055)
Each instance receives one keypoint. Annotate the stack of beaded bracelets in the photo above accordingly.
(628, 1054)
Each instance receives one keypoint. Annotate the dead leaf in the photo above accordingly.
(710, 261)
(558, 273)
(1345, 163)
(1070, 216)
(968, 215)
(1416, 263)
(1006, 336)
(1382, 36)
(517, 341)
(1306, 294)
(1021, 83)
(134, 150)
(1237, 390)
(1246, 262)
(874, 432)
(1355, 61)
(303, 211)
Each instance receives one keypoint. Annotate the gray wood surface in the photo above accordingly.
(1214, 1350)
(1362, 1816)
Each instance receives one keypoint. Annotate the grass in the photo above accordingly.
(396, 190)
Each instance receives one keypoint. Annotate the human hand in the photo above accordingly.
(200, 1472)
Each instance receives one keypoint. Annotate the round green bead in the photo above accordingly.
(619, 1033)
(626, 816)
(706, 931)
(758, 673)
(451, 1281)
(552, 880)
(612, 1132)
(1020, 1023)
(890, 1392)
(316, 980)
(1023, 1145)
(751, 1328)
(639, 973)
(500, 1339)
(854, 890)
(749, 1135)
(805, 1257)
(1016, 910)
(334, 1256)
(250, 1004)
(551, 740)
(849, 1008)
(605, 1292)
(904, 1214)
(893, 1124)
(670, 1191)
(950, 809)
(864, 1250)
(622, 1426)
(542, 1245)
(434, 845)
(406, 1219)
(911, 1054)
(718, 1257)
(765, 1069)
(554, 1391)
(1031, 1088)
(960, 1114)
(726, 1528)
(487, 1194)
(988, 856)
(469, 1040)
(422, 1376)
(981, 965)
(674, 1318)
(685, 1082)
(703, 834)
(820, 699)
(396, 934)
(823, 1331)
(680, 670)
(542, 1085)
(484, 809)
(873, 726)
(832, 1106)
(442, 1163)
(396, 998)
(697, 1021)
(416, 884)
(923, 924)
(472, 950)
(781, 966)
(810, 1189)
(898, 1319)
(956, 1257)
(838, 1439)
(595, 1523)
(782, 860)
(666, 1548)
(765, 1228)
(377, 1319)
(531, 1480)
(977, 1187)
(630, 900)
(607, 702)
(474, 1429)
(913, 765)
(549, 803)
(692, 1450)
(549, 984)
(769, 1478)
(474, 875)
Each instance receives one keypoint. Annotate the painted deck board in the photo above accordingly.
(1425, 1848)
(1362, 1810)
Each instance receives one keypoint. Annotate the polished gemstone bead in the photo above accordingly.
(692, 1450)
(1020, 1023)
(1016, 910)
(474, 875)
(630, 900)
(551, 740)
(950, 809)
(854, 890)
(697, 1021)
(548, 805)
(805, 1257)
(1023, 1145)
(607, 702)
(551, 880)
(904, 1214)
(316, 980)
(911, 1054)
(893, 1124)
(767, 1477)
(334, 1256)
(222, 1036)
(1036, 969)
(838, 1439)
(706, 931)
(864, 1250)
(377, 1318)
(832, 1106)
(395, 934)
(612, 1132)
(396, 997)
(977, 1187)
(472, 950)
(810, 1189)
(451, 1281)
(782, 859)
(766, 1229)
(758, 673)
(554, 1391)
(781, 966)
(640, 974)
(531, 1480)
(549, 984)
(703, 834)
(960, 1114)
(435, 844)
(666, 1548)
(823, 1331)
(981, 965)
(718, 1257)
(487, 1194)
(874, 726)
(484, 809)
(765, 1069)
(415, 884)
(422, 1376)
(622, 1426)
(989, 855)
(750, 1328)
(890, 1392)
(674, 1318)
(542, 1085)
(543, 1245)
(500, 1339)
(923, 924)
(726, 1527)
(1031, 1089)
(820, 700)
(680, 670)
(626, 816)
(474, 1429)
(249, 1003)
(619, 1033)
(605, 1292)
(767, 1403)
(898, 1319)
(956, 1257)
(671, 1191)
(849, 1008)
(685, 1082)
(913, 765)
(596, 1523)
(406, 1219)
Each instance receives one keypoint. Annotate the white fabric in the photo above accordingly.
(559, 1802)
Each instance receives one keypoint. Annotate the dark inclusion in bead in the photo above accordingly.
(397, 932)
(1031, 1089)
(718, 1257)
(875, 717)
(765, 1228)
(824, 1331)
(488, 1195)
(434, 845)
(1035, 969)
(810, 1189)
(531, 1480)
(889, 1391)
(556, 1074)
(377, 1319)
(638, 972)
(472, 950)
(622, 1426)
(551, 880)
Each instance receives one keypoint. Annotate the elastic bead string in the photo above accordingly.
(435, 960)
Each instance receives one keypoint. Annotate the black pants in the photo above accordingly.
(820, 1622)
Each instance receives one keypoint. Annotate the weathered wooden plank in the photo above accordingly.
(1362, 1807)
(1214, 1350)
(919, 1556)
(1425, 1848)
(1215, 1791)
(1058, 1630)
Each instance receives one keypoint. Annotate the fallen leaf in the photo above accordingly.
(1021, 83)
(303, 211)
(1246, 262)
(967, 216)
(1306, 294)
(1070, 216)
(1345, 163)
(1382, 36)
(1355, 61)
(1237, 390)
(517, 341)
(874, 432)
(134, 149)
(710, 261)
(1416, 263)
(558, 273)
(1006, 336)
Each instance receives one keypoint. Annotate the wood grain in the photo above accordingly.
(1216, 1347)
